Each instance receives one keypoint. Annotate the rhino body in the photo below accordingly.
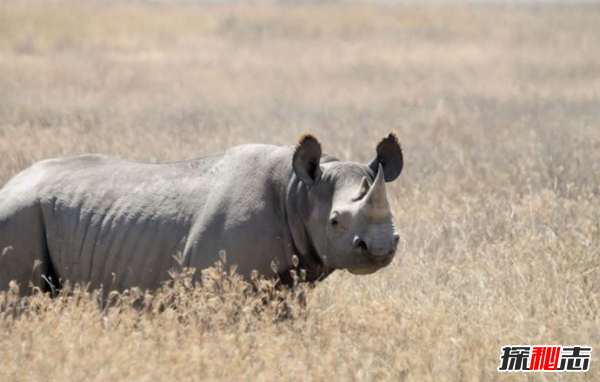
(117, 224)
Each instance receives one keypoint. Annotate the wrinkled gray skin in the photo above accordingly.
(117, 224)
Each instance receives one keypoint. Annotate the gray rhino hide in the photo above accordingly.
(117, 224)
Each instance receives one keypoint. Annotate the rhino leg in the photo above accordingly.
(23, 251)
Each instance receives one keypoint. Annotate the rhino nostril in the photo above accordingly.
(359, 243)
(396, 238)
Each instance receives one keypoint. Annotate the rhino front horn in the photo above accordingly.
(375, 202)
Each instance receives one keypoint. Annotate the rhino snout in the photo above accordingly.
(378, 246)
(359, 243)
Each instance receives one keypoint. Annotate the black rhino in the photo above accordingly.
(107, 222)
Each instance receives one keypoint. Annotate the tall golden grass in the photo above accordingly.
(498, 110)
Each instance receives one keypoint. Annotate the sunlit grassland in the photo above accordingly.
(498, 111)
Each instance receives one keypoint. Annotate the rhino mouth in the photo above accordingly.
(370, 268)
(381, 259)
(374, 263)
(378, 258)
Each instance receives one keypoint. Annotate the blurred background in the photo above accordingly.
(513, 85)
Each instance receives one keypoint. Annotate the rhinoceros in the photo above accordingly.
(116, 224)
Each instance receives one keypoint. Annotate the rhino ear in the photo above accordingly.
(389, 154)
(306, 159)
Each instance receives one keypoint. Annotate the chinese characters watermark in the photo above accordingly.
(545, 358)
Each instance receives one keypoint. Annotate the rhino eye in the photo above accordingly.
(334, 222)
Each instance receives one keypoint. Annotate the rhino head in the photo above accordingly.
(345, 217)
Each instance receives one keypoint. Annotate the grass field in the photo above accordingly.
(498, 111)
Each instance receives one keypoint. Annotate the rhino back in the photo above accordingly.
(118, 223)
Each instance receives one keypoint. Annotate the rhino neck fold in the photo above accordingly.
(296, 208)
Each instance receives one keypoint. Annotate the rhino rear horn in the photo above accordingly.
(389, 155)
(307, 158)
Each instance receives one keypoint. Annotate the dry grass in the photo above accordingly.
(498, 109)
